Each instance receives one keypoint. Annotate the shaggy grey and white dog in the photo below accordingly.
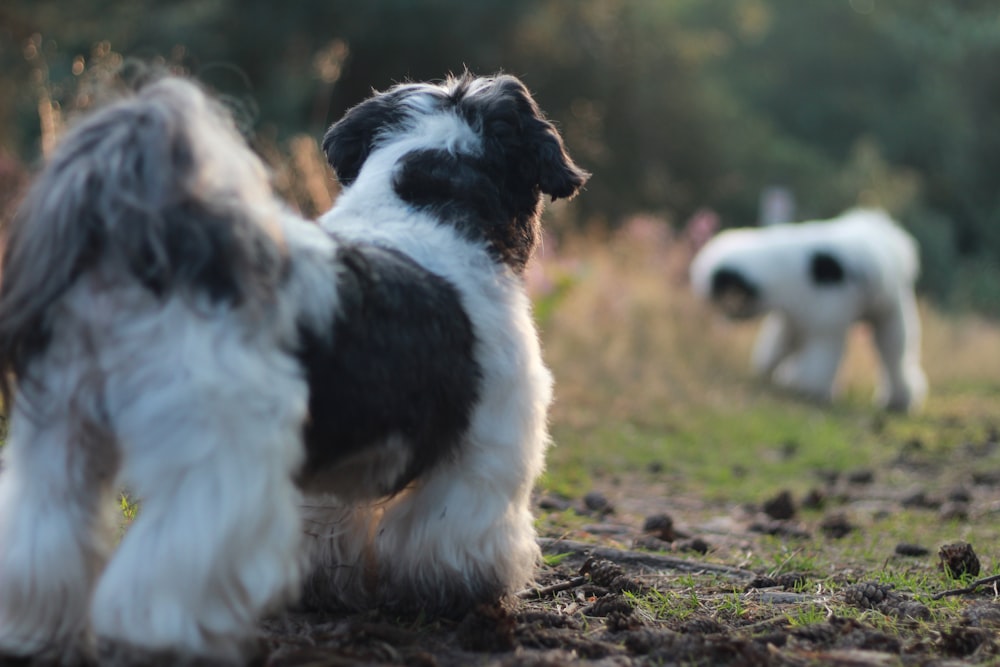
(813, 281)
(359, 405)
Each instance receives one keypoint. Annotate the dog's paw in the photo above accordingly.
(73, 658)
(112, 653)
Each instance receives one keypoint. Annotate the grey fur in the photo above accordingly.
(127, 195)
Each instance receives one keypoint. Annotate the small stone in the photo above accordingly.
(695, 544)
(814, 500)
(553, 503)
(919, 500)
(861, 477)
(789, 449)
(828, 477)
(954, 511)
(913, 550)
(960, 495)
(836, 525)
(595, 501)
(660, 526)
(779, 528)
(780, 506)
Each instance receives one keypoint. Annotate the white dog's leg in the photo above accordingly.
(775, 342)
(211, 444)
(812, 370)
(903, 384)
(56, 531)
(465, 533)
(455, 540)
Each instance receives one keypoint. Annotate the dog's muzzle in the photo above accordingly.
(736, 297)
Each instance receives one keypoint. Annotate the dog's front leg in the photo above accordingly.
(210, 438)
(56, 530)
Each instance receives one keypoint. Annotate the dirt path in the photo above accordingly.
(648, 588)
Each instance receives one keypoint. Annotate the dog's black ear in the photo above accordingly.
(558, 175)
(350, 140)
(542, 151)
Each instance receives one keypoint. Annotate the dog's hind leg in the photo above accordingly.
(903, 385)
(455, 540)
(56, 528)
(210, 429)
(812, 370)
(465, 533)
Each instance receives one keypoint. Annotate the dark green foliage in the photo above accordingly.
(673, 106)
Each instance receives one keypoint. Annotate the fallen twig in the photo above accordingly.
(971, 588)
(531, 593)
(639, 558)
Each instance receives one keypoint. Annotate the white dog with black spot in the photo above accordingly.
(812, 281)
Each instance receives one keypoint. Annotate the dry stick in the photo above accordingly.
(639, 558)
(531, 593)
(971, 588)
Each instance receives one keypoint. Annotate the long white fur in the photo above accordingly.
(197, 407)
(468, 520)
(207, 414)
(801, 341)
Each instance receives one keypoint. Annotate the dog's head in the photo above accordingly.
(729, 271)
(475, 150)
(746, 272)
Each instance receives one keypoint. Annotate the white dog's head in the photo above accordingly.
(477, 152)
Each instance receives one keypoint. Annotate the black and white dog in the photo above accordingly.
(812, 282)
(373, 383)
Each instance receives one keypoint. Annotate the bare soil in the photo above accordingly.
(716, 608)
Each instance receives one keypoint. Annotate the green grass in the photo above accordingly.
(723, 456)
(654, 399)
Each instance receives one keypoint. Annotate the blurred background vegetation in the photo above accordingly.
(676, 106)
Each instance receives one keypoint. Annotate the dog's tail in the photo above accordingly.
(156, 189)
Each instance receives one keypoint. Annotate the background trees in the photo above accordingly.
(674, 106)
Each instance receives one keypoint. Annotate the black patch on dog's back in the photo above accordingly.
(399, 361)
(825, 269)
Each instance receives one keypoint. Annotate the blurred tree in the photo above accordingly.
(673, 105)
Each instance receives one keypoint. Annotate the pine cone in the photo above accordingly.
(867, 595)
(959, 559)
(602, 572)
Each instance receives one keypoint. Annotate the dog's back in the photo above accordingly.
(141, 342)
(132, 196)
